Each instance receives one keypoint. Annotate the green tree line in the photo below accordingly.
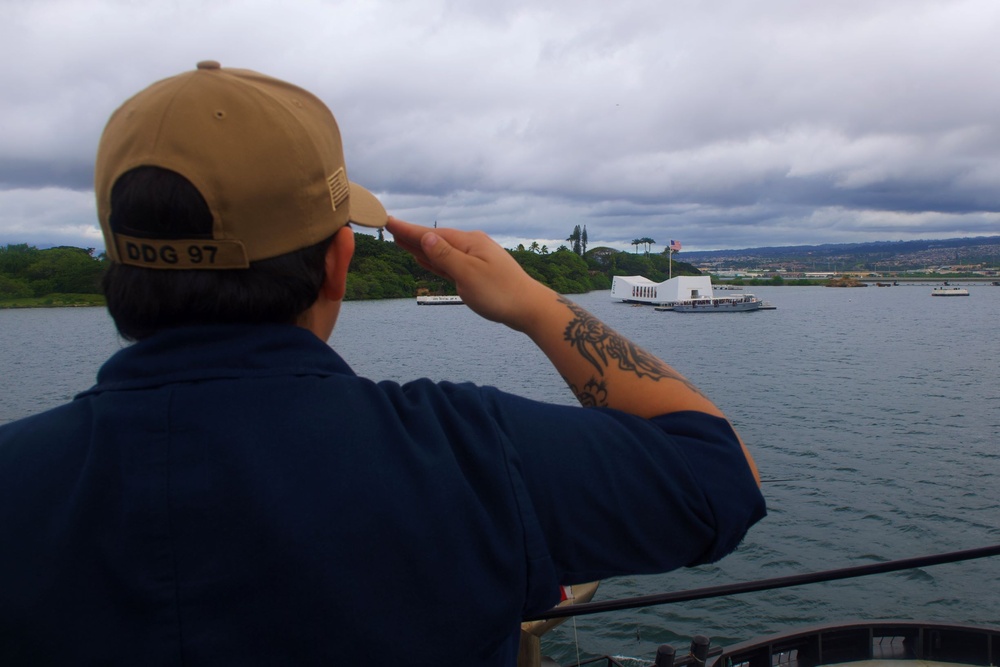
(380, 270)
(27, 272)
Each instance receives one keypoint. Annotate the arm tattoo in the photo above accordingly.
(601, 346)
(594, 393)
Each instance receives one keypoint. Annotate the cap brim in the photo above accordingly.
(366, 209)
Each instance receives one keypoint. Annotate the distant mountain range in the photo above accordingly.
(981, 252)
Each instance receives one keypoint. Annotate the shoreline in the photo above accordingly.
(97, 300)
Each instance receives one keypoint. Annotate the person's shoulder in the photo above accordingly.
(423, 391)
(465, 394)
(696, 424)
(50, 417)
(43, 428)
(439, 398)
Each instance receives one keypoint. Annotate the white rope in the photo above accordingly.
(576, 641)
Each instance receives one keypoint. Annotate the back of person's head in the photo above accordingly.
(154, 203)
(218, 192)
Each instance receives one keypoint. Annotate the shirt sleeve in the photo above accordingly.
(617, 494)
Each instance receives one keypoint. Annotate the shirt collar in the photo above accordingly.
(191, 354)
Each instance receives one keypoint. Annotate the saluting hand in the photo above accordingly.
(487, 277)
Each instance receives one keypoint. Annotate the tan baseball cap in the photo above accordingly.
(265, 155)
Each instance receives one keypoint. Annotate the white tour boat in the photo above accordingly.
(720, 304)
(949, 291)
(439, 300)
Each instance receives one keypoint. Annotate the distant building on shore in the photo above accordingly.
(639, 289)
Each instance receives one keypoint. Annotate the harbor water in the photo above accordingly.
(873, 414)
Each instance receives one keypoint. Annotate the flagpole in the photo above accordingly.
(674, 246)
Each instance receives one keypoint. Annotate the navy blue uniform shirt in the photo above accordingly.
(237, 495)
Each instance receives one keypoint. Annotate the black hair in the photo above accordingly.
(150, 202)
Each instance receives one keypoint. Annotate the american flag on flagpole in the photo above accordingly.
(675, 245)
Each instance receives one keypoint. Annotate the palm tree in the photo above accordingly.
(646, 241)
(575, 238)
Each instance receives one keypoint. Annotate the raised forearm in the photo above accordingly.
(605, 369)
(602, 367)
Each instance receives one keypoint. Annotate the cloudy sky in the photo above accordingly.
(720, 123)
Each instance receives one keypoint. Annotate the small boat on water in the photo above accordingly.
(949, 291)
(720, 304)
(439, 300)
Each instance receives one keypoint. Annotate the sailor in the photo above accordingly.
(230, 492)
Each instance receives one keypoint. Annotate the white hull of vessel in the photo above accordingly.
(439, 301)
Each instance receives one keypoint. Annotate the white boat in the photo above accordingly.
(949, 291)
(718, 304)
(439, 300)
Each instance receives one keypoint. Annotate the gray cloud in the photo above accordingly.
(37, 173)
(721, 123)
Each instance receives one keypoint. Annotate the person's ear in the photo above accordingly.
(338, 260)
